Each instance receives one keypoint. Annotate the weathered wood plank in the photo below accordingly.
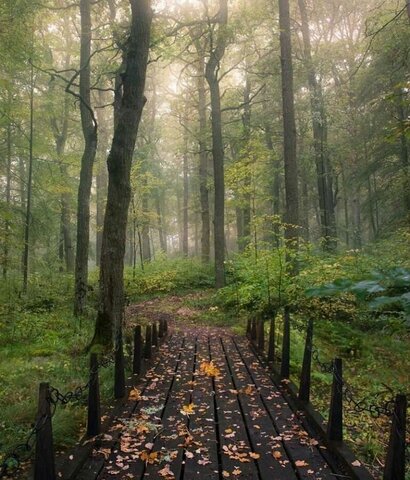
(302, 450)
(236, 451)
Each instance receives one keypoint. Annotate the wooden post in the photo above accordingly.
(248, 328)
(154, 335)
(271, 349)
(394, 468)
(94, 412)
(166, 327)
(285, 366)
(136, 361)
(253, 330)
(335, 423)
(261, 335)
(148, 339)
(161, 328)
(304, 386)
(44, 467)
(119, 369)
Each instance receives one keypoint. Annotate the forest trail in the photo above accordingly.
(207, 409)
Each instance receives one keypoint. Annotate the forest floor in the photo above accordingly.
(46, 347)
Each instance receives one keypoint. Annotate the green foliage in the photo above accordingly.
(167, 276)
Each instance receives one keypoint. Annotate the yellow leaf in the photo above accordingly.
(209, 369)
(188, 409)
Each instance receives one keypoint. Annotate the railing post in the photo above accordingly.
(94, 413)
(165, 327)
(161, 328)
(253, 330)
(394, 468)
(261, 335)
(148, 340)
(304, 386)
(119, 369)
(248, 328)
(44, 467)
(285, 366)
(271, 348)
(335, 423)
(154, 335)
(137, 357)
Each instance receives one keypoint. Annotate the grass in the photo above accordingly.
(43, 341)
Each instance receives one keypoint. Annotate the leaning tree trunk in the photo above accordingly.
(89, 126)
(211, 75)
(289, 128)
(119, 171)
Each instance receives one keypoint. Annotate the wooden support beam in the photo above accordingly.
(271, 348)
(261, 335)
(44, 466)
(285, 366)
(119, 369)
(137, 357)
(335, 423)
(148, 340)
(304, 386)
(94, 412)
(395, 465)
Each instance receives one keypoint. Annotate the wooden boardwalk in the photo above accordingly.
(208, 410)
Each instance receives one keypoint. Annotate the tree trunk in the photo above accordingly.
(319, 122)
(211, 75)
(29, 187)
(119, 171)
(289, 128)
(101, 176)
(8, 202)
(185, 195)
(89, 127)
(203, 160)
(246, 121)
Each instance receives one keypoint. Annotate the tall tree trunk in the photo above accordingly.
(161, 232)
(185, 193)
(101, 175)
(119, 171)
(211, 75)
(289, 128)
(203, 160)
(29, 187)
(319, 122)
(404, 153)
(275, 183)
(89, 127)
(246, 122)
(8, 201)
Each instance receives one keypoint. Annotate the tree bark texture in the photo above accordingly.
(203, 160)
(319, 122)
(289, 127)
(89, 127)
(211, 75)
(119, 170)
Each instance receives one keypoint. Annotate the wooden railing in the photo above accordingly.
(40, 437)
(395, 463)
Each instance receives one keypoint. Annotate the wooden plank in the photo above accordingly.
(302, 450)
(236, 452)
(201, 459)
(102, 453)
(273, 461)
(169, 443)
